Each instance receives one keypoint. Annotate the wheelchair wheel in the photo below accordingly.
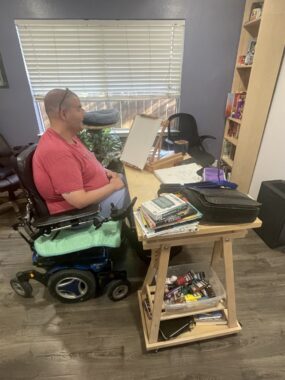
(23, 288)
(72, 285)
(118, 289)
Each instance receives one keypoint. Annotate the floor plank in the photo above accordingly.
(42, 339)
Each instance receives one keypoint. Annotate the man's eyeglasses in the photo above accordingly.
(63, 99)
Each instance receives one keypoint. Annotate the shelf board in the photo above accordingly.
(238, 121)
(252, 23)
(228, 161)
(199, 332)
(232, 140)
(182, 313)
(242, 67)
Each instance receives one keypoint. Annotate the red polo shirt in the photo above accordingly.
(60, 167)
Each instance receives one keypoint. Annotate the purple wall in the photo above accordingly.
(211, 39)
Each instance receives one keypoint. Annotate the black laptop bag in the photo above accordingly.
(223, 205)
(218, 205)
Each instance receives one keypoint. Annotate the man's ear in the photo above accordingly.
(63, 114)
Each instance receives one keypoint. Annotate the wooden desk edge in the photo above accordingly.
(204, 229)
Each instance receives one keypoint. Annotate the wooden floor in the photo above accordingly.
(42, 339)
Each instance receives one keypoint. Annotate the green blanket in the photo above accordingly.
(68, 241)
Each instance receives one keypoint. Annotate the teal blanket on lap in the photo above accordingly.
(68, 241)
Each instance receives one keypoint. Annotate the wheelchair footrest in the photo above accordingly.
(32, 275)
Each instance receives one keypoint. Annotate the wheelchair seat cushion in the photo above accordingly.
(75, 240)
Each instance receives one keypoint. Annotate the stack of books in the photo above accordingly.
(213, 318)
(167, 214)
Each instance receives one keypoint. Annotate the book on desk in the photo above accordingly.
(167, 214)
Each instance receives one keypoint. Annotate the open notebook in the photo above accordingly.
(179, 174)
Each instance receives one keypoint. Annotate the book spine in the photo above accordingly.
(147, 218)
(171, 219)
(177, 224)
(162, 216)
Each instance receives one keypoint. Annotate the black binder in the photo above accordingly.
(173, 327)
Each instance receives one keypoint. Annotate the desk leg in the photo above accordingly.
(163, 260)
(217, 252)
(152, 269)
(229, 276)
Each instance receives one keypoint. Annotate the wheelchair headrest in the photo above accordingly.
(25, 173)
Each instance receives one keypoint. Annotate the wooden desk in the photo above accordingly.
(144, 185)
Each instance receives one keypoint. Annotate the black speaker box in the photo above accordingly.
(272, 213)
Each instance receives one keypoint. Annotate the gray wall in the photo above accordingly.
(211, 39)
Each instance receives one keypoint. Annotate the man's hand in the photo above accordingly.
(111, 174)
(117, 183)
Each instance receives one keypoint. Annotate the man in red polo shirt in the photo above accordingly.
(65, 173)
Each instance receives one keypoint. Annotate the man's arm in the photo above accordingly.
(81, 198)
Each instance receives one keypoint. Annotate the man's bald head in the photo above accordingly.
(55, 99)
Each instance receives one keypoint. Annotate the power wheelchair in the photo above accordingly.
(70, 246)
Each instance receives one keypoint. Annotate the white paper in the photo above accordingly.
(179, 174)
(140, 140)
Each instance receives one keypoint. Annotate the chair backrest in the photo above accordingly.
(5, 149)
(7, 158)
(187, 127)
(25, 173)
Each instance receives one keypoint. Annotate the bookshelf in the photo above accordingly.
(255, 78)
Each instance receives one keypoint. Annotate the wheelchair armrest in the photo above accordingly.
(169, 141)
(76, 217)
(72, 217)
(119, 214)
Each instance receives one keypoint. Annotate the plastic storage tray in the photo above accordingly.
(211, 276)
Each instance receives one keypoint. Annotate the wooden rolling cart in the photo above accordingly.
(222, 237)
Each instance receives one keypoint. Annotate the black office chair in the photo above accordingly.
(186, 129)
(9, 181)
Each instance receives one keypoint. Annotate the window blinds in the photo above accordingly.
(104, 59)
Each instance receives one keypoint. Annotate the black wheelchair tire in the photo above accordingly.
(23, 288)
(87, 284)
(118, 289)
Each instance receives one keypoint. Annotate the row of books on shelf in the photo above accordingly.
(229, 150)
(235, 105)
(233, 130)
(167, 214)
